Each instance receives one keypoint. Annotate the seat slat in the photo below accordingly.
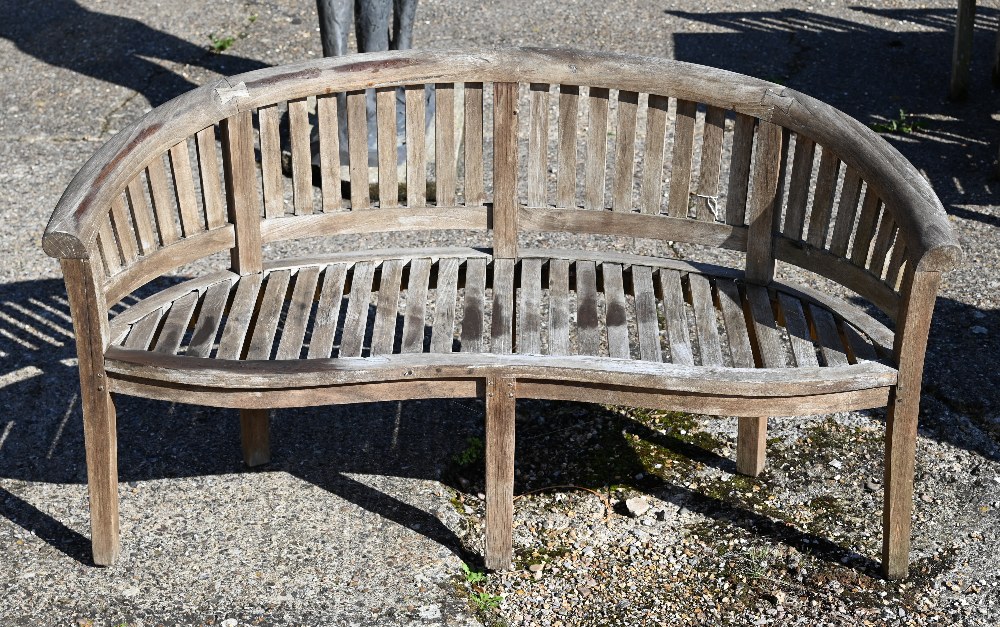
(624, 164)
(443, 332)
(538, 145)
(180, 165)
(529, 323)
(444, 144)
(262, 336)
(559, 307)
(357, 147)
(206, 328)
(141, 217)
(587, 324)
(617, 313)
(737, 334)
(473, 314)
(739, 170)
(798, 331)
(356, 318)
(646, 314)
(387, 308)
(416, 148)
(711, 164)
(416, 306)
(860, 347)
(140, 336)
(651, 195)
(501, 331)
(297, 317)
(826, 188)
(324, 330)
(156, 178)
(124, 234)
(385, 111)
(764, 329)
(569, 102)
(705, 321)
(798, 187)
(329, 150)
(298, 130)
(475, 193)
(270, 161)
(830, 344)
(597, 149)
(678, 337)
(680, 171)
(176, 324)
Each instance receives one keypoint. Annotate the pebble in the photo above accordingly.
(979, 330)
(229, 622)
(637, 506)
(429, 612)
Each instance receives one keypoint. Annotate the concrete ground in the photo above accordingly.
(353, 522)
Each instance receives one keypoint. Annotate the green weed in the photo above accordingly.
(472, 453)
(472, 576)
(220, 43)
(902, 125)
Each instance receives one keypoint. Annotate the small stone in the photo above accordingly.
(130, 592)
(429, 612)
(926, 498)
(979, 330)
(229, 622)
(871, 486)
(637, 506)
(536, 568)
(837, 464)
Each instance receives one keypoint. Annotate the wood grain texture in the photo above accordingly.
(176, 324)
(847, 210)
(240, 315)
(764, 334)
(705, 321)
(502, 329)
(569, 99)
(324, 329)
(443, 332)
(538, 144)
(299, 137)
(416, 147)
(357, 147)
(588, 328)
(206, 328)
(414, 330)
(823, 196)
(529, 314)
(297, 316)
(500, 403)
(387, 308)
(255, 438)
(739, 170)
(269, 313)
(651, 194)
(142, 217)
(356, 318)
(737, 334)
(595, 167)
(680, 171)
(559, 308)
(675, 319)
(624, 159)
(211, 184)
(505, 170)
(268, 119)
(798, 187)
(388, 184)
(444, 143)
(124, 233)
(241, 192)
(710, 173)
(762, 210)
(751, 442)
(473, 316)
(327, 119)
(616, 313)
(163, 207)
(475, 193)
(830, 344)
(798, 331)
(646, 314)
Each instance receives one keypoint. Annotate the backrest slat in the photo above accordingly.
(826, 187)
(761, 210)
(505, 170)
(706, 205)
(850, 194)
(357, 146)
(444, 144)
(270, 161)
(866, 229)
(597, 149)
(329, 151)
(538, 144)
(211, 184)
(739, 169)
(798, 190)
(124, 234)
(680, 171)
(162, 206)
(299, 138)
(416, 150)
(651, 195)
(141, 216)
(475, 193)
(385, 111)
(624, 163)
(180, 166)
(241, 191)
(108, 248)
(569, 102)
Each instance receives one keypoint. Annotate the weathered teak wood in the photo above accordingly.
(266, 335)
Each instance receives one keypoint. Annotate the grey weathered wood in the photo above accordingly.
(830, 344)
(883, 243)
(297, 317)
(416, 306)
(176, 324)
(529, 320)
(443, 332)
(706, 207)
(897, 262)
(268, 119)
(500, 402)
(211, 184)
(705, 321)
(388, 185)
(141, 217)
(241, 192)
(140, 336)
(865, 231)
(737, 334)
(416, 147)
(798, 187)
(505, 170)
(559, 309)
(240, 314)
(124, 234)
(324, 328)
(384, 331)
(473, 316)
(739, 170)
(624, 160)
(680, 171)
(444, 143)
(108, 248)
(646, 314)
(474, 191)
(255, 439)
(764, 333)
(588, 330)
(209, 320)
(502, 329)
(356, 318)
(861, 347)
(538, 145)
(163, 209)
(357, 147)
(798, 331)
(569, 98)
(328, 132)
(762, 209)
(595, 167)
(271, 303)
(847, 209)
(675, 319)
(651, 195)
(180, 167)
(299, 135)
(617, 313)
(826, 187)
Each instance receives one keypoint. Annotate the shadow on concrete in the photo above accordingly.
(109, 47)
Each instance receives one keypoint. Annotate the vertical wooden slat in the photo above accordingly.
(240, 314)
(798, 331)
(388, 184)
(500, 403)
(387, 308)
(163, 209)
(297, 317)
(676, 322)
(298, 129)
(124, 233)
(538, 145)
(830, 345)
(241, 192)
(356, 318)
(846, 212)
(597, 149)
(211, 184)
(209, 318)
(646, 314)
(324, 328)
(680, 171)
(329, 150)
(770, 352)
(826, 188)
(502, 330)
(705, 322)
(651, 194)
(739, 169)
(505, 170)
(268, 119)
(798, 187)
(475, 193)
(473, 315)
(108, 247)
(883, 242)
(588, 330)
(180, 165)
(416, 306)
(737, 334)
(866, 228)
(444, 144)
(762, 208)
(711, 164)
(569, 99)
(617, 314)
(443, 333)
(621, 186)
(357, 145)
(176, 324)
(559, 307)
(416, 147)
(894, 271)
(140, 336)
(529, 323)
(141, 216)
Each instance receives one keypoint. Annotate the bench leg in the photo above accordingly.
(751, 440)
(254, 436)
(897, 508)
(499, 471)
(101, 441)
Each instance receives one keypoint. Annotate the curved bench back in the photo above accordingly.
(525, 141)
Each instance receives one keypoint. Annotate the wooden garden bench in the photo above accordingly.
(548, 145)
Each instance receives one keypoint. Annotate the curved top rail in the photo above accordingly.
(931, 243)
